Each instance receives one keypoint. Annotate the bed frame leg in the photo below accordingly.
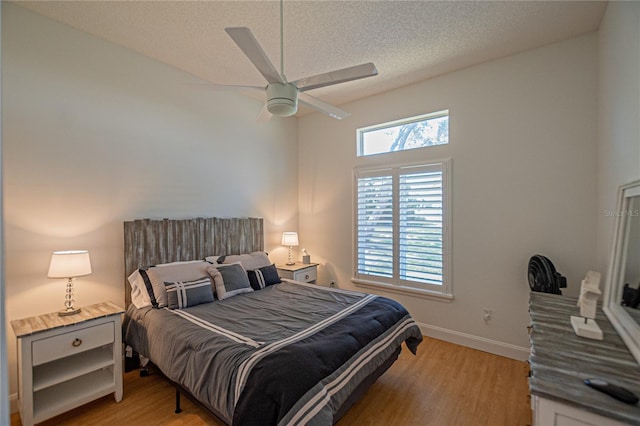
(178, 409)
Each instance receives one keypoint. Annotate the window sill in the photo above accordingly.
(408, 291)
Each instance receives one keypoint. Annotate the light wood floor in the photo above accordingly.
(444, 385)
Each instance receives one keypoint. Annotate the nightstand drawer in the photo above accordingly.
(71, 343)
(306, 275)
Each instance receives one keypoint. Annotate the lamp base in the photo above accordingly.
(69, 311)
(291, 261)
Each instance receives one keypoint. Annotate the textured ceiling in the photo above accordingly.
(408, 41)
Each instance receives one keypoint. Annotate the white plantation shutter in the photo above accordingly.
(420, 227)
(375, 225)
(401, 226)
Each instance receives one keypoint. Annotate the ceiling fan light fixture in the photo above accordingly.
(282, 99)
(282, 96)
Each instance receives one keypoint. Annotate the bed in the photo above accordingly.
(282, 352)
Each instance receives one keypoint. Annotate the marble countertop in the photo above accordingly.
(36, 324)
(561, 361)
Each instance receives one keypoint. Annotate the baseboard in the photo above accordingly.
(13, 402)
(487, 345)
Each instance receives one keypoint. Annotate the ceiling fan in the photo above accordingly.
(282, 95)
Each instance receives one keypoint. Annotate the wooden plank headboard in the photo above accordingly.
(149, 242)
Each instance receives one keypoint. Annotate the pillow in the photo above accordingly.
(249, 261)
(139, 293)
(182, 262)
(182, 294)
(260, 278)
(156, 276)
(229, 280)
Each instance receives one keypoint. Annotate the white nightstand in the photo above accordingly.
(64, 362)
(305, 272)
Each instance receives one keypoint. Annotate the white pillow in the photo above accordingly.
(249, 261)
(139, 294)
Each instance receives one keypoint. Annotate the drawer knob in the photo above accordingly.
(77, 342)
(306, 277)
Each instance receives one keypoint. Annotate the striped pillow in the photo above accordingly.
(154, 278)
(260, 278)
(182, 294)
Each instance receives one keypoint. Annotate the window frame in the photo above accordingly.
(396, 123)
(395, 284)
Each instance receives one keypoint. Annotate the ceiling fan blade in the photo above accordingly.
(321, 106)
(263, 115)
(335, 77)
(249, 45)
(228, 87)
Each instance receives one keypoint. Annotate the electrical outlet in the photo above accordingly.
(487, 314)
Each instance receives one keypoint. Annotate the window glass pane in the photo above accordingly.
(419, 132)
(375, 226)
(420, 227)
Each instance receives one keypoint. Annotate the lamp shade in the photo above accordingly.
(69, 264)
(289, 238)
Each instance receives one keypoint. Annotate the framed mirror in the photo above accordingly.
(622, 294)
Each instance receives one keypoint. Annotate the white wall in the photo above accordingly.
(4, 377)
(94, 134)
(618, 112)
(523, 143)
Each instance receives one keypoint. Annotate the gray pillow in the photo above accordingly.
(229, 280)
(182, 294)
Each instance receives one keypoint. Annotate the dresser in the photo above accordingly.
(67, 361)
(560, 361)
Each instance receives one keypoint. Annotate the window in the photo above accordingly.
(402, 232)
(417, 132)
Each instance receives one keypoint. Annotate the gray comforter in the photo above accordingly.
(291, 353)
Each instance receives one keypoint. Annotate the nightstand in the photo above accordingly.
(64, 362)
(305, 272)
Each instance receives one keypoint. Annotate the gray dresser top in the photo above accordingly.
(561, 361)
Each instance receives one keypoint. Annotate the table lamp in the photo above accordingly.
(290, 239)
(69, 264)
